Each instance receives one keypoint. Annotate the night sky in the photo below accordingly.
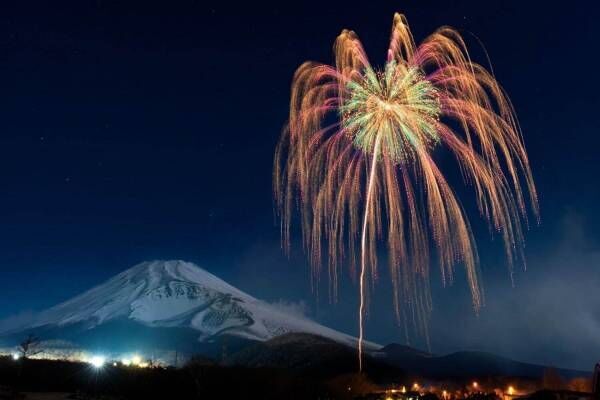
(137, 132)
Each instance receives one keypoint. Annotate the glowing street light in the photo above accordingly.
(15, 356)
(475, 385)
(511, 390)
(136, 360)
(415, 386)
(126, 362)
(98, 361)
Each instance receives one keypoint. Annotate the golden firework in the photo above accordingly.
(357, 160)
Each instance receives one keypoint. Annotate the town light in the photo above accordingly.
(511, 390)
(15, 356)
(475, 385)
(126, 362)
(136, 360)
(97, 361)
(415, 386)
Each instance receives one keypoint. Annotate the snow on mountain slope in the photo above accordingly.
(180, 294)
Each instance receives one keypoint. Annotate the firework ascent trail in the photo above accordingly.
(353, 128)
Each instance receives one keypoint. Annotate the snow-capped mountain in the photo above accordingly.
(179, 294)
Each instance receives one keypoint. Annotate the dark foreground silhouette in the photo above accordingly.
(197, 380)
(269, 374)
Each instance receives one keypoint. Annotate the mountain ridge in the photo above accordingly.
(464, 364)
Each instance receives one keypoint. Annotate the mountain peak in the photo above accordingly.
(161, 266)
(158, 272)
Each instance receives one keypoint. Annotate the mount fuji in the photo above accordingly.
(172, 301)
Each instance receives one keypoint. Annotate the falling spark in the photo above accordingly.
(357, 158)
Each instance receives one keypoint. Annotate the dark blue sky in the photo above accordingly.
(139, 131)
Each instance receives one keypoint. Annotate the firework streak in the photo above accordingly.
(357, 161)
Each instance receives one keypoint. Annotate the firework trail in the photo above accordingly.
(357, 160)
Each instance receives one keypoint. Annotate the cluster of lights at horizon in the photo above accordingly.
(445, 394)
(98, 361)
(371, 174)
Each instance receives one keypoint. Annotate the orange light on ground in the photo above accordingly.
(511, 390)
(475, 385)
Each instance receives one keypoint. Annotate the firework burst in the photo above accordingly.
(357, 160)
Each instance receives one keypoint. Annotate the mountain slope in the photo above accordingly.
(311, 354)
(462, 364)
(178, 294)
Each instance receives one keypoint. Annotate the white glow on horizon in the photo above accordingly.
(97, 361)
